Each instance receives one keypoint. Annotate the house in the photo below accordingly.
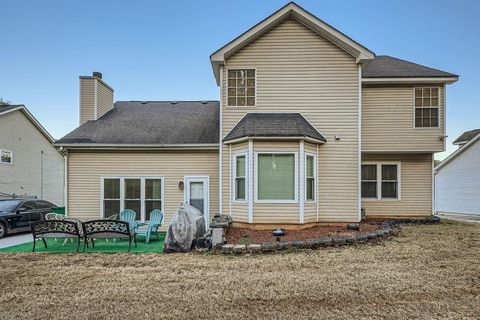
(311, 127)
(457, 178)
(30, 166)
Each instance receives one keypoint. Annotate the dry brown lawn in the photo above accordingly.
(425, 272)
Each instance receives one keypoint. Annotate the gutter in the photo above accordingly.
(308, 139)
(106, 146)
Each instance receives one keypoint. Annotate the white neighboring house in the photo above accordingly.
(457, 178)
(29, 164)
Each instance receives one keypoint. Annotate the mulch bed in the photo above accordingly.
(247, 236)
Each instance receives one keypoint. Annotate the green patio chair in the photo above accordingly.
(156, 221)
(128, 215)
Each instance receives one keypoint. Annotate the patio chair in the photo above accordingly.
(129, 216)
(156, 221)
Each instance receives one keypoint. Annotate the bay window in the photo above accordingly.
(380, 180)
(276, 177)
(139, 194)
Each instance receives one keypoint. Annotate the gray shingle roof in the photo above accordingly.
(467, 136)
(151, 122)
(390, 67)
(273, 125)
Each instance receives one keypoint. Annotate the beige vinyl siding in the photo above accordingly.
(24, 175)
(104, 99)
(87, 99)
(415, 187)
(298, 70)
(85, 170)
(388, 115)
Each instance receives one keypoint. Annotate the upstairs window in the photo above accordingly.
(6, 157)
(241, 87)
(426, 107)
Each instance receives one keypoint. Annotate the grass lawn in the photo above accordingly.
(101, 246)
(426, 272)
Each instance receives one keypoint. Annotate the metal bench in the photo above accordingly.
(45, 229)
(107, 229)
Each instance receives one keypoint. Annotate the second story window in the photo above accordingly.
(426, 107)
(241, 87)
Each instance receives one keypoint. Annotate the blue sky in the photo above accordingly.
(159, 50)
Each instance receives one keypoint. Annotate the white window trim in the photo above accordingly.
(226, 86)
(234, 178)
(314, 177)
(295, 179)
(11, 157)
(379, 180)
(122, 193)
(439, 107)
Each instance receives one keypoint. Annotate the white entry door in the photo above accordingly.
(197, 195)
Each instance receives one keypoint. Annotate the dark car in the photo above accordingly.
(16, 215)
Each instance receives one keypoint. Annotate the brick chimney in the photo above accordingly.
(96, 97)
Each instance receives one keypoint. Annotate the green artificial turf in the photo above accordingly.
(101, 246)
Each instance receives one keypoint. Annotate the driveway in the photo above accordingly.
(461, 217)
(14, 239)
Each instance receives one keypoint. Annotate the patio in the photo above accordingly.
(101, 246)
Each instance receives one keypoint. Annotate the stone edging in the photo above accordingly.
(268, 247)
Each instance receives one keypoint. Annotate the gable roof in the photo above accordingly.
(457, 153)
(150, 124)
(5, 109)
(273, 125)
(293, 10)
(390, 67)
(466, 136)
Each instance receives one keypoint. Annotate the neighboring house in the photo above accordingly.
(311, 127)
(457, 178)
(30, 166)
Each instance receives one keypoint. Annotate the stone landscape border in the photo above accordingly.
(269, 247)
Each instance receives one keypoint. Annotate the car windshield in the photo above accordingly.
(8, 205)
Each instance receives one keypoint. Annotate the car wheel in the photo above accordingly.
(3, 230)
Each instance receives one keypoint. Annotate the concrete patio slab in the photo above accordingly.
(14, 239)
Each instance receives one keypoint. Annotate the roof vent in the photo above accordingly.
(97, 74)
(174, 102)
(204, 102)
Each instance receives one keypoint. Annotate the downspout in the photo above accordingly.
(41, 174)
(359, 166)
(220, 149)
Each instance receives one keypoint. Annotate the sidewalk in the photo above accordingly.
(14, 239)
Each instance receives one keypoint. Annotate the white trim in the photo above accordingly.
(234, 178)
(250, 181)
(230, 180)
(317, 193)
(226, 86)
(457, 153)
(447, 80)
(433, 185)
(11, 157)
(296, 178)
(308, 139)
(422, 107)
(444, 114)
(314, 177)
(359, 151)
(220, 152)
(206, 193)
(65, 182)
(301, 181)
(200, 146)
(379, 180)
(122, 193)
